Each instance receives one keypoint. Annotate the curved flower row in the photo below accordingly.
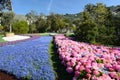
(14, 42)
(87, 61)
(28, 59)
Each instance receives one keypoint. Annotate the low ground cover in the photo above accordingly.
(29, 60)
(87, 61)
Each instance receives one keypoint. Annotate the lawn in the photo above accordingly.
(1, 40)
(46, 34)
(61, 73)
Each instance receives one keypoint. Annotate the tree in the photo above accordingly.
(87, 30)
(32, 16)
(116, 24)
(41, 24)
(69, 26)
(7, 19)
(96, 25)
(6, 5)
(55, 22)
(32, 28)
(1, 28)
(20, 27)
(89, 8)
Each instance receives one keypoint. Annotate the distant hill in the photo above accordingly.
(115, 10)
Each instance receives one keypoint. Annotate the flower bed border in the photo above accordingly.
(32, 37)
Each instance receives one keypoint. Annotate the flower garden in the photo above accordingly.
(28, 60)
(31, 59)
(87, 61)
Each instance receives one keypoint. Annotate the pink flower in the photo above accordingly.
(101, 65)
(69, 69)
(72, 63)
(74, 78)
(81, 68)
(77, 67)
(118, 68)
(111, 69)
(88, 76)
(67, 58)
(105, 77)
(112, 74)
(95, 65)
(88, 70)
(88, 65)
(68, 64)
(96, 72)
(77, 73)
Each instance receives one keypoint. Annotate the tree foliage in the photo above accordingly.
(20, 27)
(56, 22)
(96, 25)
(41, 24)
(5, 4)
(31, 16)
(7, 19)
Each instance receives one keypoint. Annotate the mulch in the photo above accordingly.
(6, 76)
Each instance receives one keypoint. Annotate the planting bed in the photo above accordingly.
(28, 60)
(32, 37)
(87, 61)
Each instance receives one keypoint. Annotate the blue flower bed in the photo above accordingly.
(28, 59)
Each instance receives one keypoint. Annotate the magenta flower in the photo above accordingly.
(112, 74)
(77, 73)
(81, 68)
(96, 72)
(69, 69)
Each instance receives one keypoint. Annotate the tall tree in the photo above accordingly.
(41, 24)
(6, 5)
(31, 16)
(96, 24)
(56, 22)
(87, 30)
(7, 19)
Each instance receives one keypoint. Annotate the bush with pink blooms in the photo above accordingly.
(87, 61)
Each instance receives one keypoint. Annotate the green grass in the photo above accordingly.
(70, 34)
(60, 70)
(47, 34)
(1, 40)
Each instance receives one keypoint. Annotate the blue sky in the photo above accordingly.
(56, 6)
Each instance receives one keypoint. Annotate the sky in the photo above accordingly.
(56, 6)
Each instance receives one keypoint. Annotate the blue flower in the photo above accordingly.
(28, 59)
